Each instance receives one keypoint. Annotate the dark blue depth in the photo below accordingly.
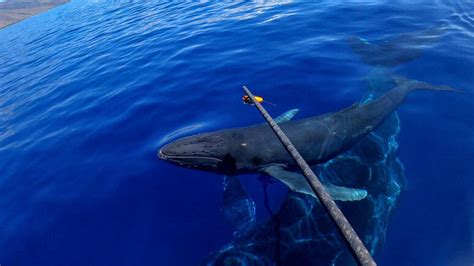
(90, 90)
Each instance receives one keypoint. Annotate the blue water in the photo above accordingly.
(90, 90)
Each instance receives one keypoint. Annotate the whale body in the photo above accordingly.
(318, 139)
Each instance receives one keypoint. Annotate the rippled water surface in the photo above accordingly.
(90, 90)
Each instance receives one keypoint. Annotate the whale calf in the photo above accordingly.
(256, 149)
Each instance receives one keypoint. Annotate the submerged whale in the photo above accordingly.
(398, 50)
(318, 139)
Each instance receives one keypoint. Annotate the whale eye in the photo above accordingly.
(228, 164)
(257, 160)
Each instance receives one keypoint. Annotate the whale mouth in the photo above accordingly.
(199, 151)
(189, 160)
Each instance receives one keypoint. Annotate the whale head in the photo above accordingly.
(218, 152)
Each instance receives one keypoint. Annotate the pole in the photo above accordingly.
(356, 246)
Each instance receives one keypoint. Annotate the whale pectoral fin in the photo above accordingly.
(292, 180)
(286, 116)
(362, 46)
(296, 182)
(238, 208)
(345, 193)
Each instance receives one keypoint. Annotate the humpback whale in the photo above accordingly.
(392, 52)
(255, 149)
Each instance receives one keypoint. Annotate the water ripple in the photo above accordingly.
(91, 89)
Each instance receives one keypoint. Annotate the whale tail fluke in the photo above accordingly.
(412, 85)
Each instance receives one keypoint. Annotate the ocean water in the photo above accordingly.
(90, 90)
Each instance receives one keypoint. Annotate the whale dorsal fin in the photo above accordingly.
(296, 182)
(286, 116)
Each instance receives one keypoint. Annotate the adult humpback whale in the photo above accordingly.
(318, 139)
(398, 50)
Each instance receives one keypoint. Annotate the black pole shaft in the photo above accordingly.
(356, 246)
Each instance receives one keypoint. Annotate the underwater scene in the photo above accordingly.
(126, 137)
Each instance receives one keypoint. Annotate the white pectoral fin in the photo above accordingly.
(297, 182)
(292, 180)
(345, 193)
